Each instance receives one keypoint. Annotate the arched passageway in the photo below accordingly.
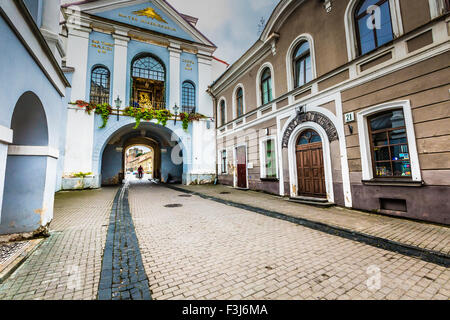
(167, 153)
(27, 202)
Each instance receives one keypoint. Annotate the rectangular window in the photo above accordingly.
(389, 143)
(224, 161)
(270, 159)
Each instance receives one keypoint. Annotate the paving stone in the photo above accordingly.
(225, 245)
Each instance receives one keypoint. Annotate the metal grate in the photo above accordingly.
(148, 68)
(188, 97)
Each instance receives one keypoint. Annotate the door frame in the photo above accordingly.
(235, 173)
(293, 177)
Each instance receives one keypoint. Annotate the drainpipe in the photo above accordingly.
(215, 121)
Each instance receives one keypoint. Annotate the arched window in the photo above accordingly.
(302, 64)
(188, 97)
(266, 86)
(149, 76)
(239, 102)
(307, 137)
(148, 67)
(222, 112)
(100, 85)
(373, 24)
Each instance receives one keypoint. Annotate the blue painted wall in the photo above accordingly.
(23, 194)
(167, 166)
(111, 164)
(100, 53)
(125, 15)
(189, 72)
(25, 176)
(18, 78)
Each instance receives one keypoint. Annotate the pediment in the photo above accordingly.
(154, 15)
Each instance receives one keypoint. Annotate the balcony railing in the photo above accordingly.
(157, 105)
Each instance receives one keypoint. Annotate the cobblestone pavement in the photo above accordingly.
(123, 276)
(207, 250)
(422, 235)
(68, 264)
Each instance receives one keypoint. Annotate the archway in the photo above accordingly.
(136, 156)
(167, 147)
(27, 204)
(310, 165)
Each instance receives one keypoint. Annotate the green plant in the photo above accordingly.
(82, 174)
(139, 114)
(190, 117)
(104, 110)
(162, 116)
(184, 116)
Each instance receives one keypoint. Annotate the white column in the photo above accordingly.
(205, 105)
(120, 65)
(50, 27)
(174, 80)
(6, 137)
(80, 126)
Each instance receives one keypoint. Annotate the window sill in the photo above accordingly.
(270, 179)
(393, 182)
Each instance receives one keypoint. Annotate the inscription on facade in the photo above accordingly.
(316, 117)
(188, 64)
(102, 46)
(135, 18)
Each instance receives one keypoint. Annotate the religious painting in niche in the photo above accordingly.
(148, 88)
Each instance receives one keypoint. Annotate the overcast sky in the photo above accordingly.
(231, 24)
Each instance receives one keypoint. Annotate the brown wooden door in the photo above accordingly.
(310, 170)
(241, 158)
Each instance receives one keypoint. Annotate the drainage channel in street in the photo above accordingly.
(123, 275)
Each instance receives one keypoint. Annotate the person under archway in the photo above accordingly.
(140, 172)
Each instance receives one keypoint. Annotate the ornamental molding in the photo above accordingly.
(312, 116)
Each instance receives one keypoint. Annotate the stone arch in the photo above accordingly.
(310, 116)
(115, 130)
(27, 175)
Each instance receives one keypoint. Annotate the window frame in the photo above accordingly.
(235, 104)
(290, 55)
(356, 19)
(365, 138)
(258, 84)
(263, 160)
(222, 113)
(372, 146)
(302, 58)
(192, 98)
(350, 27)
(97, 67)
(267, 80)
(223, 165)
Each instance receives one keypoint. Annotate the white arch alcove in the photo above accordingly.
(293, 178)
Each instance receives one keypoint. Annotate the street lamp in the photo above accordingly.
(118, 105)
(176, 108)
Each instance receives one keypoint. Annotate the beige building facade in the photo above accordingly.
(344, 102)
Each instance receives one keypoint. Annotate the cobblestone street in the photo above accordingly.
(193, 248)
